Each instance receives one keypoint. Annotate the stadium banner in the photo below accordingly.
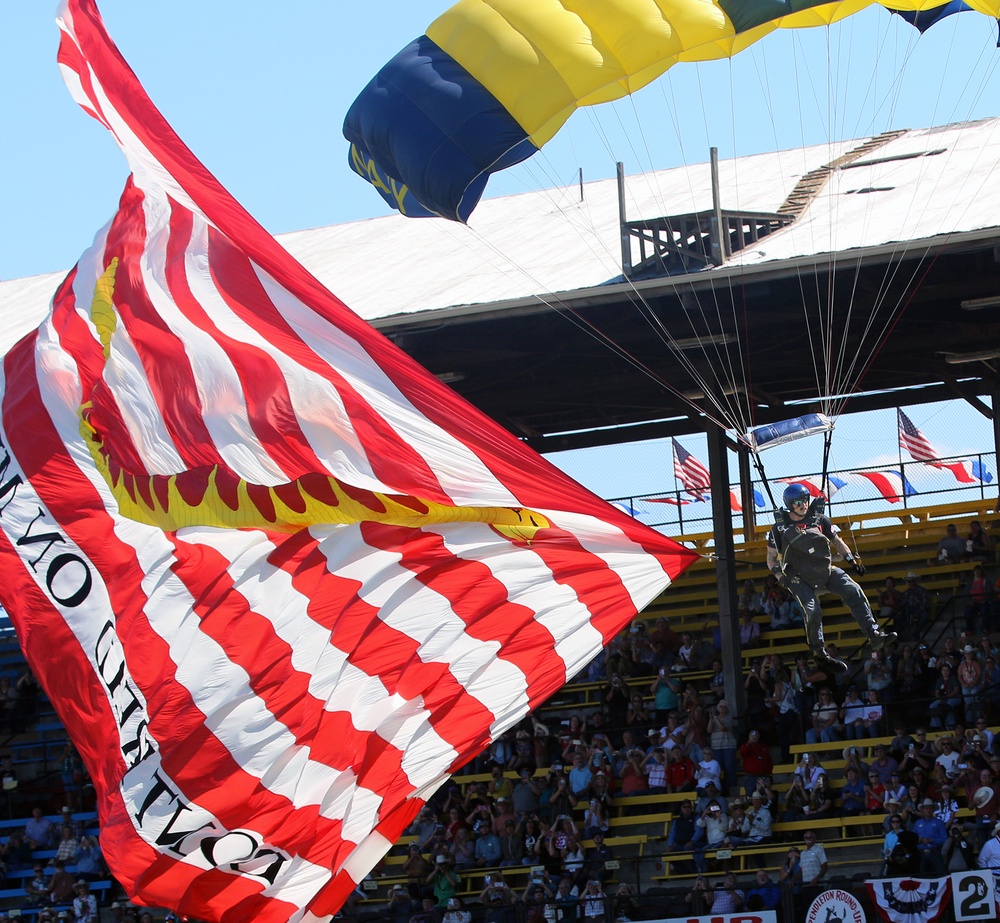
(910, 900)
(974, 896)
(759, 916)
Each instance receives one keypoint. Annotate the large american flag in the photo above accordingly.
(263, 709)
(695, 477)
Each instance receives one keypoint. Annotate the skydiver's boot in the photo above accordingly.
(827, 663)
(812, 617)
(882, 639)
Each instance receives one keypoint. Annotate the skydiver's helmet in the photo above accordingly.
(794, 493)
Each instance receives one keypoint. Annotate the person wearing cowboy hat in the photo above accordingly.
(947, 806)
(755, 827)
(499, 785)
(84, 904)
(852, 794)
(400, 906)
(947, 757)
(931, 834)
(526, 794)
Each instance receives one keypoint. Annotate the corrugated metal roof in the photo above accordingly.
(925, 185)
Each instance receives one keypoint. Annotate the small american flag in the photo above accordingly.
(695, 477)
(914, 442)
(920, 448)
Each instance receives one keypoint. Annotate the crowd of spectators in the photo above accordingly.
(55, 863)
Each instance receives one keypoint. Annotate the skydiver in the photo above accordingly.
(799, 555)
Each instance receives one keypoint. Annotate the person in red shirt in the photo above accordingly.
(875, 794)
(680, 772)
(756, 760)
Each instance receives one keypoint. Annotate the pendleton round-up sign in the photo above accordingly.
(835, 906)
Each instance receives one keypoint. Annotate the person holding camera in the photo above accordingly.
(538, 900)
(655, 767)
(539, 883)
(666, 690)
(562, 800)
(756, 759)
(443, 881)
(401, 906)
(699, 898)
(878, 672)
(958, 852)
(616, 698)
(727, 897)
(709, 770)
(456, 912)
(594, 901)
(633, 778)
(495, 889)
(716, 825)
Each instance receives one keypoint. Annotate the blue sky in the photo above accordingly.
(259, 90)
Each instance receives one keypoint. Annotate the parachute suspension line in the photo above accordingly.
(568, 312)
(759, 465)
(824, 484)
(715, 391)
(717, 385)
(742, 353)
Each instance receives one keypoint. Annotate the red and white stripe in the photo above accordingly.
(300, 695)
(890, 484)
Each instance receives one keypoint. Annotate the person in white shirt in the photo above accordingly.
(989, 855)
(813, 859)
(708, 770)
(947, 758)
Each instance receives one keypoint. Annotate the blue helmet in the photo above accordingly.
(794, 493)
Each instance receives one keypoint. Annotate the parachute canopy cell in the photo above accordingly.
(775, 434)
(492, 81)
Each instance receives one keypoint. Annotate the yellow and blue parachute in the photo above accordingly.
(491, 81)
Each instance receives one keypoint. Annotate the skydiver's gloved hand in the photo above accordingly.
(788, 581)
(857, 566)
